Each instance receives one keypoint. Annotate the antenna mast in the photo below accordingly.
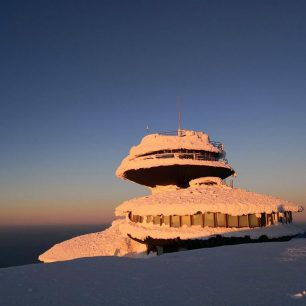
(179, 116)
(147, 129)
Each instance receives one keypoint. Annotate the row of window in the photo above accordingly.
(183, 154)
(202, 152)
(215, 219)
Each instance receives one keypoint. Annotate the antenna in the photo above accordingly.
(148, 129)
(179, 116)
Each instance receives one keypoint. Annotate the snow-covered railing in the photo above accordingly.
(173, 133)
(217, 144)
(194, 156)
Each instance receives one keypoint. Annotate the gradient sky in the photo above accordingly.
(80, 80)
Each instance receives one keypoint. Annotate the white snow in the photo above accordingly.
(161, 188)
(191, 140)
(110, 242)
(207, 180)
(250, 274)
(142, 231)
(216, 198)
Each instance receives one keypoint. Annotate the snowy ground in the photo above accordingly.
(249, 274)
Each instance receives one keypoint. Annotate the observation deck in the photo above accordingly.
(174, 158)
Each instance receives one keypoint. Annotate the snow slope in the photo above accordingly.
(110, 242)
(249, 274)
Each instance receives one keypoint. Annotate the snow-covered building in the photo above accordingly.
(174, 158)
(190, 205)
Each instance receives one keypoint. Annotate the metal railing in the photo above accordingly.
(193, 156)
(217, 144)
(173, 133)
(181, 133)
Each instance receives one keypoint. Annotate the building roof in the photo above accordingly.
(189, 140)
(203, 198)
(147, 155)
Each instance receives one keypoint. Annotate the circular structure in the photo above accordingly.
(190, 205)
(174, 159)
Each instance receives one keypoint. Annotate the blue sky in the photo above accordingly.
(80, 81)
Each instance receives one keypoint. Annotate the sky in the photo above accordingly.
(81, 80)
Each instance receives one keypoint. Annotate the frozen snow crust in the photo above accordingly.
(142, 232)
(215, 198)
(110, 242)
(191, 140)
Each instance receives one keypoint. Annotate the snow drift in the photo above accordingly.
(110, 242)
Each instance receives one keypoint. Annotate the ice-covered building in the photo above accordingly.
(190, 205)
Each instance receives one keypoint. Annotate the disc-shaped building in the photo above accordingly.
(191, 206)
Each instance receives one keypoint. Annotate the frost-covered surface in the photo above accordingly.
(157, 142)
(142, 231)
(216, 198)
(145, 162)
(191, 140)
(161, 188)
(249, 274)
(208, 180)
(110, 242)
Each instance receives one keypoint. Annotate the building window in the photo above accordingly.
(243, 221)
(269, 219)
(209, 219)
(166, 220)
(281, 217)
(135, 218)
(232, 221)
(186, 220)
(221, 220)
(197, 219)
(290, 216)
(263, 219)
(253, 221)
(156, 220)
(175, 221)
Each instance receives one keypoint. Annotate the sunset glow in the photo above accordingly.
(80, 82)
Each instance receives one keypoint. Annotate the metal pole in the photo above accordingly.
(179, 116)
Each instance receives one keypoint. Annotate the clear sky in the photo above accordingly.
(80, 81)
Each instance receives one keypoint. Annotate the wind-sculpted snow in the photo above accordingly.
(249, 274)
(110, 242)
(219, 198)
(191, 140)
